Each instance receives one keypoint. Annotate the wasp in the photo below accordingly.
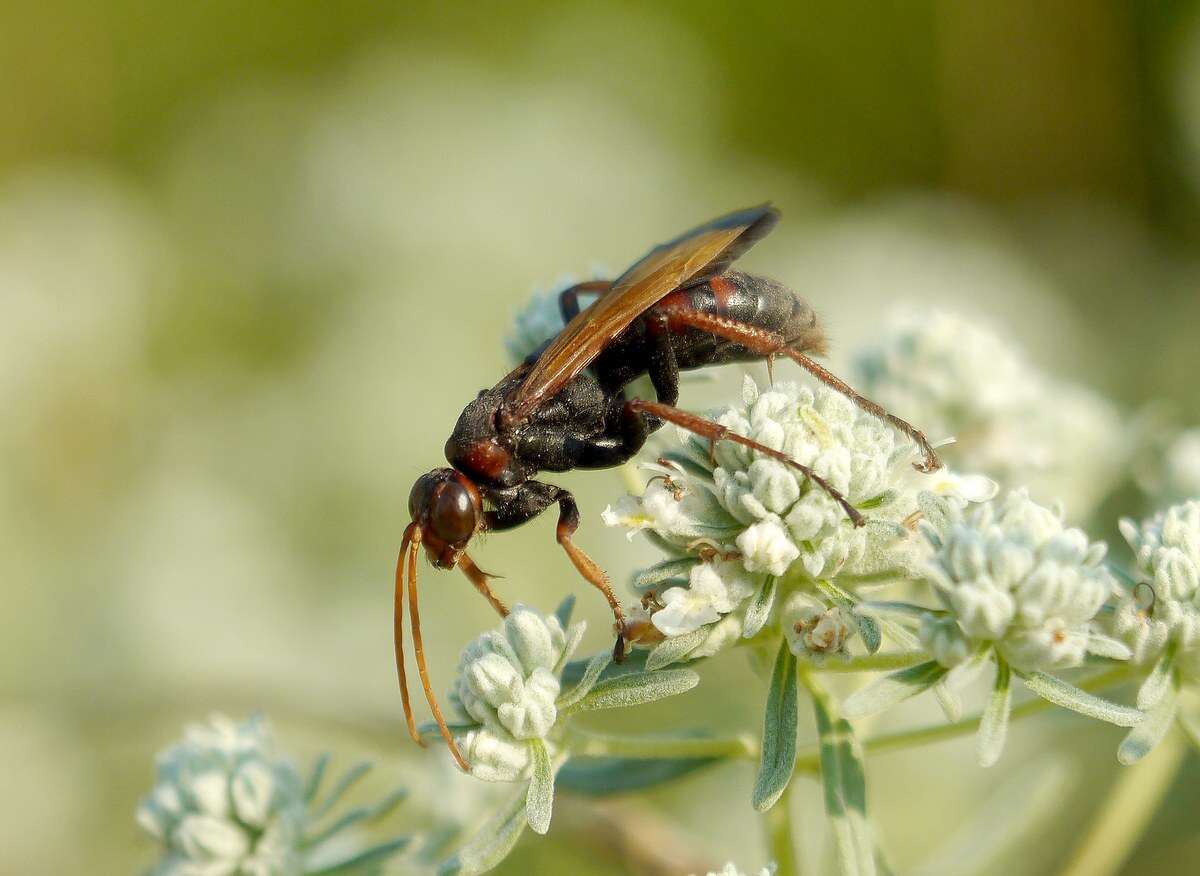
(677, 308)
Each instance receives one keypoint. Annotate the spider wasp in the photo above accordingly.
(679, 307)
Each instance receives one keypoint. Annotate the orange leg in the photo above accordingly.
(479, 578)
(398, 634)
(770, 344)
(715, 432)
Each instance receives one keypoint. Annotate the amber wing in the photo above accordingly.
(701, 252)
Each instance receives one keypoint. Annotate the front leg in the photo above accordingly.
(523, 503)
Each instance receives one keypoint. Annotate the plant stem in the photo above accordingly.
(1127, 810)
(874, 662)
(585, 743)
(781, 840)
(810, 760)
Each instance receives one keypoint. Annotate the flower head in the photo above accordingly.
(1011, 421)
(1167, 549)
(740, 516)
(731, 869)
(815, 630)
(225, 803)
(1012, 575)
(508, 682)
(1182, 474)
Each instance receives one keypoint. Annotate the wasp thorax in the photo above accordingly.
(447, 506)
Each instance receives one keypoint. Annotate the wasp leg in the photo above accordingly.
(568, 299)
(479, 578)
(523, 503)
(714, 432)
(768, 343)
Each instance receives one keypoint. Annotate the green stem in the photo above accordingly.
(874, 662)
(781, 840)
(584, 743)
(1126, 812)
(810, 760)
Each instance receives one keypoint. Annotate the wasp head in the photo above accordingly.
(447, 507)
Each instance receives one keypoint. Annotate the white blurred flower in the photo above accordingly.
(541, 318)
(761, 517)
(1167, 548)
(1011, 574)
(225, 803)
(814, 630)
(1182, 469)
(508, 681)
(1011, 421)
(731, 869)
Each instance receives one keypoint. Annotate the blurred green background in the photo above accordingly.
(254, 258)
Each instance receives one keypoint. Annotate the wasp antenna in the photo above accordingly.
(398, 633)
(419, 651)
(480, 578)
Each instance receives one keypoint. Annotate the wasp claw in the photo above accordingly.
(619, 649)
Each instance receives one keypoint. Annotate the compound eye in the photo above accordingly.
(419, 498)
(453, 513)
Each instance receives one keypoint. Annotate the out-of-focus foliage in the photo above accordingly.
(254, 258)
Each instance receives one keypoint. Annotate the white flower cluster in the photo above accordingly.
(1012, 422)
(814, 630)
(1167, 548)
(508, 681)
(1014, 577)
(224, 803)
(755, 516)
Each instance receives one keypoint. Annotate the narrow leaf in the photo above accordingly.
(573, 637)
(493, 842)
(590, 675)
(949, 700)
(539, 800)
(1068, 696)
(778, 757)
(993, 727)
(844, 782)
(1105, 646)
(342, 785)
(638, 688)
(759, 609)
(901, 609)
(316, 776)
(883, 693)
(1190, 726)
(635, 661)
(1141, 740)
(1157, 682)
(602, 776)
(357, 815)
(676, 648)
(563, 612)
(358, 861)
(664, 571)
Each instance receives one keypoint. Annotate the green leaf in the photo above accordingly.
(1059, 692)
(1159, 679)
(340, 787)
(844, 781)
(359, 861)
(949, 700)
(638, 688)
(573, 637)
(356, 815)
(539, 800)
(895, 688)
(778, 758)
(316, 776)
(590, 676)
(664, 571)
(676, 648)
(1105, 646)
(1190, 726)
(602, 776)
(759, 609)
(563, 612)
(492, 843)
(1141, 740)
(993, 726)
(635, 661)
